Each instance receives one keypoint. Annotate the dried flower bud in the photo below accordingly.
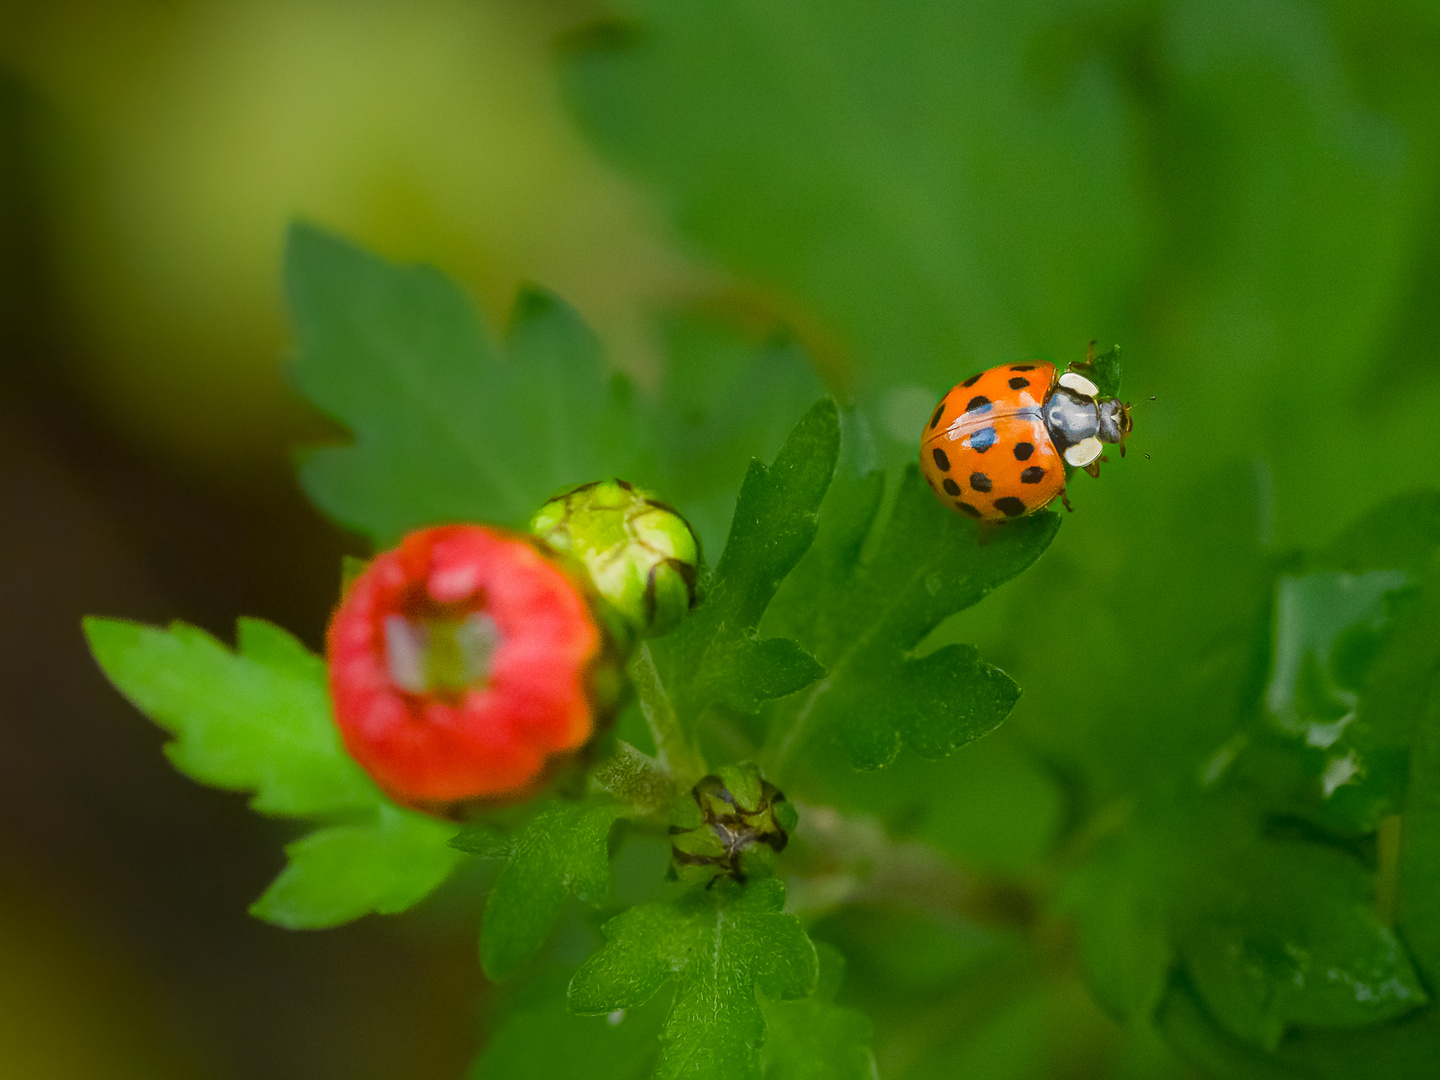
(729, 824)
(464, 664)
(641, 554)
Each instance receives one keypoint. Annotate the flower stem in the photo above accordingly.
(672, 746)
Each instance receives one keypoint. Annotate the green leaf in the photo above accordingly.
(542, 1039)
(256, 719)
(342, 872)
(724, 402)
(718, 946)
(447, 425)
(1322, 620)
(1122, 929)
(1301, 945)
(1419, 864)
(716, 655)
(863, 619)
(562, 850)
(815, 1039)
(1104, 372)
(911, 185)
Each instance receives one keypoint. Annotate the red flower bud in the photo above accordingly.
(462, 664)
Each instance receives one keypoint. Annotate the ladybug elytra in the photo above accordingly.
(997, 445)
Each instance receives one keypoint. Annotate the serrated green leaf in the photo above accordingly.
(447, 425)
(774, 524)
(815, 1039)
(563, 850)
(342, 872)
(863, 619)
(749, 671)
(255, 719)
(1304, 948)
(719, 946)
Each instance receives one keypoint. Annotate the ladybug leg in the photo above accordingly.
(1088, 362)
(1065, 501)
(1094, 467)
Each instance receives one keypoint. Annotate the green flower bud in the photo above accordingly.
(641, 554)
(729, 824)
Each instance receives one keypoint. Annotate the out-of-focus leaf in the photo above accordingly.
(256, 719)
(562, 850)
(813, 1038)
(1297, 942)
(447, 425)
(1122, 929)
(541, 1039)
(905, 178)
(719, 946)
(723, 402)
(1321, 621)
(342, 872)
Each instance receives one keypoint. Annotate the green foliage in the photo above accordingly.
(825, 152)
(716, 654)
(541, 1039)
(447, 425)
(341, 872)
(562, 850)
(719, 946)
(813, 1038)
(258, 719)
(864, 611)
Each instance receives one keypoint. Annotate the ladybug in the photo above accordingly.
(997, 445)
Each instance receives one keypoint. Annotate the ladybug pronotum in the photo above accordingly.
(997, 445)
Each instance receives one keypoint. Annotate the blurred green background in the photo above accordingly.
(1243, 193)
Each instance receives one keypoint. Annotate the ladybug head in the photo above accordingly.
(1115, 422)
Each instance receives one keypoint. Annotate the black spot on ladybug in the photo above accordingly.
(1033, 475)
(1019, 382)
(982, 440)
(972, 380)
(951, 488)
(967, 508)
(1022, 367)
(939, 412)
(979, 481)
(1023, 450)
(941, 461)
(1010, 506)
(978, 403)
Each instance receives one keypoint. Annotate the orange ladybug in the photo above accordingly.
(997, 445)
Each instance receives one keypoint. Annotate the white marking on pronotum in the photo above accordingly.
(1083, 452)
(1073, 381)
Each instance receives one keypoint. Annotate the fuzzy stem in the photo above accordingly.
(672, 746)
